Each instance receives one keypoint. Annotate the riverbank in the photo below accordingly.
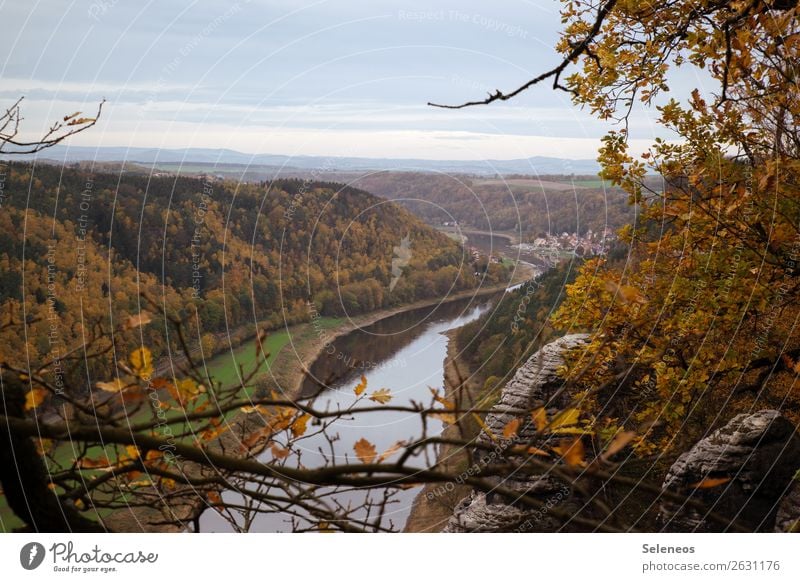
(307, 343)
(434, 504)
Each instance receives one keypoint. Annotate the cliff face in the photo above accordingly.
(535, 384)
(741, 472)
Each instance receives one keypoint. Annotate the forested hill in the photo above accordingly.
(546, 205)
(78, 247)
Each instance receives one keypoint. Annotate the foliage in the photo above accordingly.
(696, 324)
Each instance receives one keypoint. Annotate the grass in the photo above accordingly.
(596, 183)
(225, 367)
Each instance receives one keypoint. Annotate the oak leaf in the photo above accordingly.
(381, 396)
(299, 426)
(365, 451)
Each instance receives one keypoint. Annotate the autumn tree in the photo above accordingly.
(700, 321)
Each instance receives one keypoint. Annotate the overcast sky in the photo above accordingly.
(325, 77)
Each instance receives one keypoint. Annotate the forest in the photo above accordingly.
(81, 251)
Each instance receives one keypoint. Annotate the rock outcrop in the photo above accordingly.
(787, 520)
(535, 384)
(740, 472)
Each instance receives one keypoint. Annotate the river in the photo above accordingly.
(404, 353)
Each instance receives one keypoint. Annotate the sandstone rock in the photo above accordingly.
(759, 453)
(535, 384)
(788, 517)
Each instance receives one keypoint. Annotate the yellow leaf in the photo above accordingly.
(539, 417)
(188, 388)
(361, 386)
(381, 396)
(710, 482)
(133, 451)
(571, 451)
(114, 386)
(143, 318)
(34, 398)
(142, 362)
(365, 451)
(510, 429)
(299, 425)
(566, 418)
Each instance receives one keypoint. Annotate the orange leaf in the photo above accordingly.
(571, 452)
(539, 417)
(299, 425)
(365, 451)
(87, 463)
(510, 429)
(445, 417)
(710, 482)
(361, 386)
(279, 452)
(443, 401)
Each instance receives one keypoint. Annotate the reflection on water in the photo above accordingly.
(404, 353)
(372, 348)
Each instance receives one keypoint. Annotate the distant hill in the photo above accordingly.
(221, 158)
(530, 206)
(79, 248)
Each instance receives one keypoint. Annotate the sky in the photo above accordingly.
(299, 77)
